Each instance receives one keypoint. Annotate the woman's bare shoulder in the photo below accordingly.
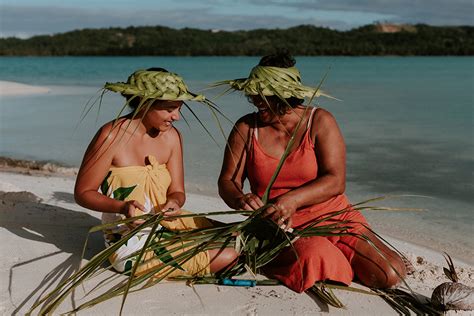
(242, 130)
(111, 130)
(245, 122)
(324, 117)
(109, 135)
(323, 114)
(170, 140)
(174, 135)
(323, 121)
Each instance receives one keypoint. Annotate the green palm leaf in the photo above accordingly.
(122, 193)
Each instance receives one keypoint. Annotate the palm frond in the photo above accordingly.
(406, 303)
(89, 105)
(450, 272)
(325, 294)
(202, 124)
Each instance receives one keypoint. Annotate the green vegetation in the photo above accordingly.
(377, 39)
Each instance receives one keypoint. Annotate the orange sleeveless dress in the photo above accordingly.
(319, 258)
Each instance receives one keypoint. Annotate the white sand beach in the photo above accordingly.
(43, 231)
(9, 88)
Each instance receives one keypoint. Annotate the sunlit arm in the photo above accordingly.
(233, 174)
(95, 165)
(175, 196)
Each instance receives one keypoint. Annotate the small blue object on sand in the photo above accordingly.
(237, 282)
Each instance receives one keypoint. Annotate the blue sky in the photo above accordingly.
(25, 18)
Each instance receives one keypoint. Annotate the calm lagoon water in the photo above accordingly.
(407, 122)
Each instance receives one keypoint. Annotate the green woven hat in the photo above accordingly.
(158, 85)
(269, 81)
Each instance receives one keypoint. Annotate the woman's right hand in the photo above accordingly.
(128, 209)
(249, 202)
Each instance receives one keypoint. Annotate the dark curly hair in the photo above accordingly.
(282, 60)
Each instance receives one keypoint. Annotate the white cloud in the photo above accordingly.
(28, 20)
(436, 12)
(50, 20)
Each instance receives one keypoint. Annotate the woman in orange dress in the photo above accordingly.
(310, 184)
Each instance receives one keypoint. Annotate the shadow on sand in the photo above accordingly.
(24, 214)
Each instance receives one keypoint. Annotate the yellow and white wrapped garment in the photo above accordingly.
(148, 185)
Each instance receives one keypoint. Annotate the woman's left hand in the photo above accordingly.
(282, 210)
(171, 208)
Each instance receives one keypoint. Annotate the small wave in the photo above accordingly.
(32, 165)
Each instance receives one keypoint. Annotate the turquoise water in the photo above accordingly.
(407, 122)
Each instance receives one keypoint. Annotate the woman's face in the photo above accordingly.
(162, 114)
(266, 109)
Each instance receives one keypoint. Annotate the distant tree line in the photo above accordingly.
(301, 40)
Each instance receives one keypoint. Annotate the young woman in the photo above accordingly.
(310, 185)
(137, 162)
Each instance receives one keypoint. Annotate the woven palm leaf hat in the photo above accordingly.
(274, 81)
(143, 87)
(155, 85)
